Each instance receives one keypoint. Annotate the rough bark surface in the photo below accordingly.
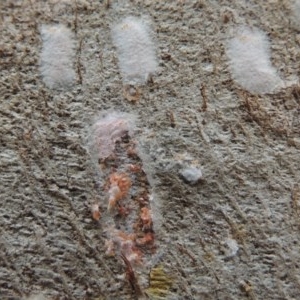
(192, 112)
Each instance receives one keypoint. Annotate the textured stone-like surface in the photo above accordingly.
(247, 146)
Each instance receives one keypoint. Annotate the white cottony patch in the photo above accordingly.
(249, 61)
(136, 51)
(107, 130)
(191, 175)
(233, 247)
(57, 55)
(295, 14)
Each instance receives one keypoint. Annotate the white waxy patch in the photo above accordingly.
(233, 247)
(135, 49)
(107, 130)
(191, 175)
(57, 56)
(249, 61)
(295, 14)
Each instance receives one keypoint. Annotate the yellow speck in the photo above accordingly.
(160, 283)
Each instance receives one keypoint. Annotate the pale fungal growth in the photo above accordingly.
(249, 61)
(295, 14)
(191, 175)
(56, 65)
(106, 131)
(135, 49)
(233, 247)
